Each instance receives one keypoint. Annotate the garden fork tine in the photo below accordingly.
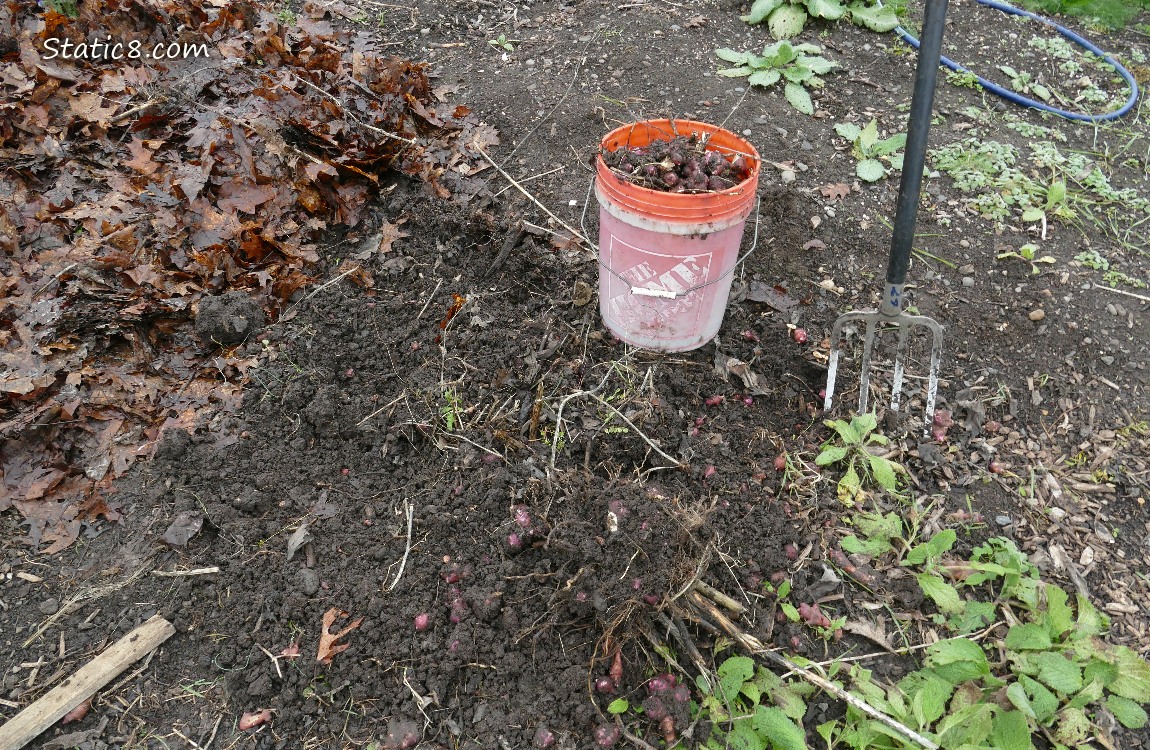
(890, 310)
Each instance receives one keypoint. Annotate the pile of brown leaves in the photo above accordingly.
(132, 188)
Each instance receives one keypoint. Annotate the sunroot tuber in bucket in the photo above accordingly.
(668, 244)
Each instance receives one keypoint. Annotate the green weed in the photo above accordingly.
(851, 450)
(786, 18)
(868, 149)
(781, 61)
(1028, 253)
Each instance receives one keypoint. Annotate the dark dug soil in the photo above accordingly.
(393, 440)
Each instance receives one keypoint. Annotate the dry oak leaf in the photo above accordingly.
(141, 160)
(389, 233)
(328, 641)
(872, 631)
(87, 106)
(835, 190)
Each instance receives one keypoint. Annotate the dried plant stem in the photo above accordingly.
(637, 431)
(755, 647)
(176, 573)
(719, 597)
(531, 197)
(1142, 297)
(407, 550)
(559, 168)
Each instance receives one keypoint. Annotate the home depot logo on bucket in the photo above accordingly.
(655, 315)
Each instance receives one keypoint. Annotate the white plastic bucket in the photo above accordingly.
(666, 259)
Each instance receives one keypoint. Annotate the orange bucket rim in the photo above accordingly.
(624, 188)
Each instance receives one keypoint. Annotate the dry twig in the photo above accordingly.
(407, 550)
(532, 198)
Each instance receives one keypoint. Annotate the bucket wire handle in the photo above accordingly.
(644, 291)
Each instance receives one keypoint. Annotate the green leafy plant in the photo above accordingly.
(752, 708)
(1117, 278)
(1022, 82)
(851, 450)
(1094, 260)
(988, 170)
(966, 79)
(1028, 253)
(868, 149)
(1052, 673)
(786, 18)
(450, 410)
(798, 65)
(503, 43)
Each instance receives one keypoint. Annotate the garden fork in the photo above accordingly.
(890, 312)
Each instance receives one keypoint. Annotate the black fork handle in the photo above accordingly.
(926, 74)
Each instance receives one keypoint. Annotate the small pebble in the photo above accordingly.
(968, 281)
(308, 581)
(788, 176)
(1056, 513)
(807, 146)
(1002, 520)
(746, 132)
(1107, 359)
(967, 269)
(964, 243)
(1038, 314)
(49, 606)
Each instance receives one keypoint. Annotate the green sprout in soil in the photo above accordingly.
(786, 18)
(1095, 261)
(449, 412)
(1028, 253)
(966, 80)
(796, 64)
(868, 149)
(1023, 83)
(851, 450)
(503, 43)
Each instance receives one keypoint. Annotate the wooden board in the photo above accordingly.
(51, 707)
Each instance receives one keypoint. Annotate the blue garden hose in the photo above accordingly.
(1017, 98)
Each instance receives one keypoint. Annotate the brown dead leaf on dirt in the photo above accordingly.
(140, 189)
(872, 631)
(835, 190)
(390, 233)
(328, 641)
(752, 381)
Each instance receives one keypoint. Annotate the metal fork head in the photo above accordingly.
(904, 323)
